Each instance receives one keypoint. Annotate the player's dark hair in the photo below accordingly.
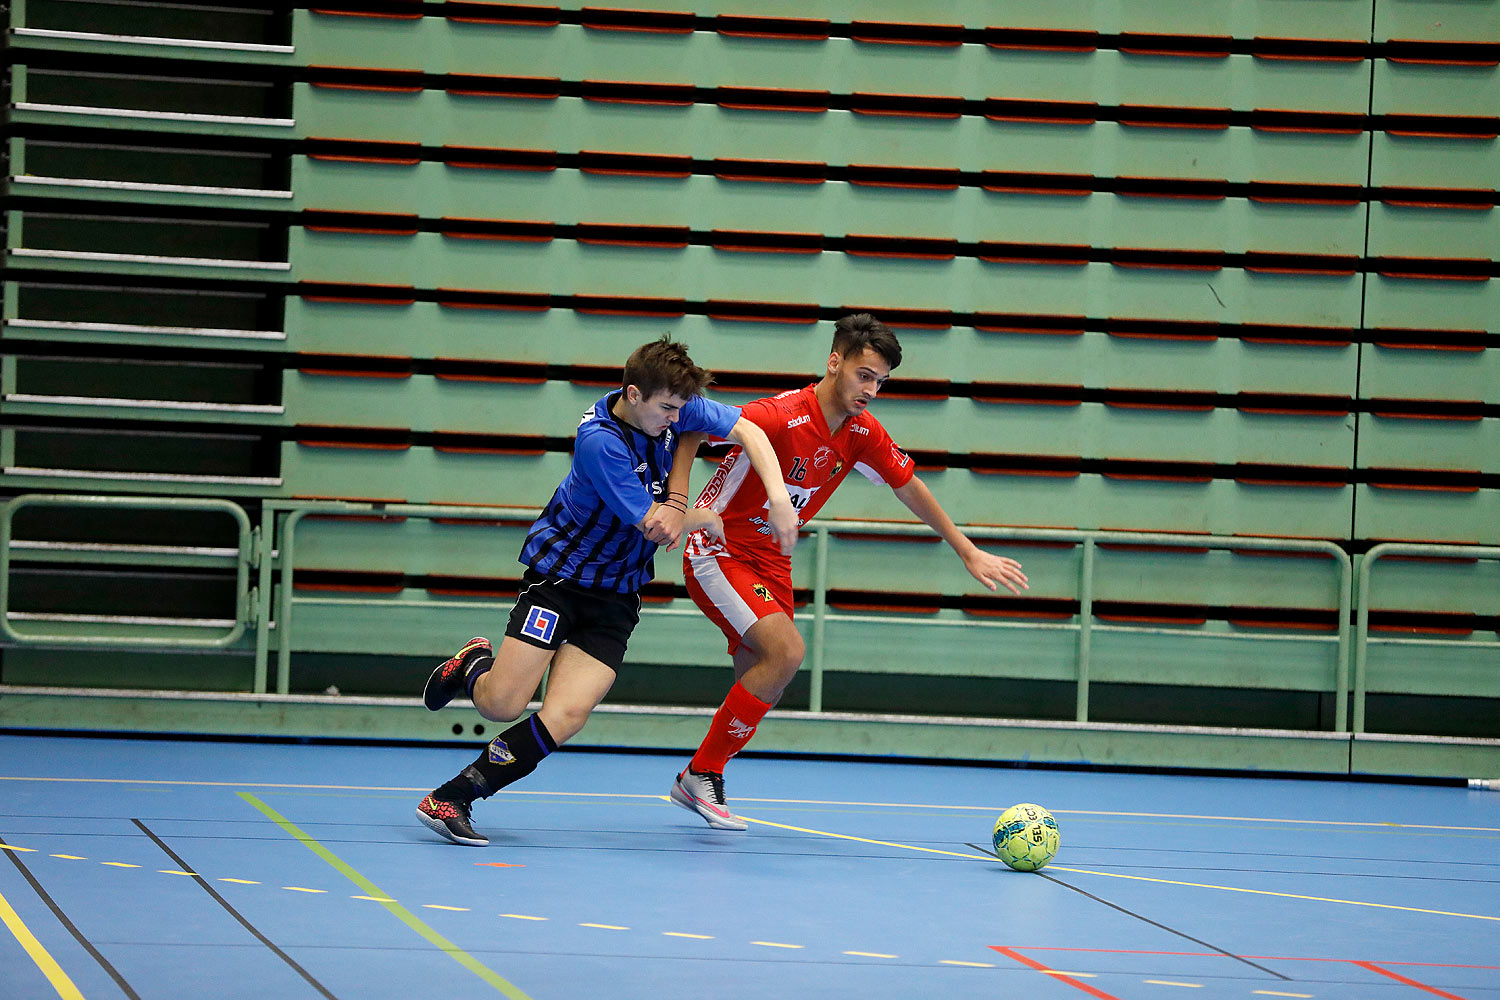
(853, 333)
(664, 364)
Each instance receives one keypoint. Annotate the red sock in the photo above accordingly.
(734, 723)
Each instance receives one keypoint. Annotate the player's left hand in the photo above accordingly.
(990, 569)
(663, 526)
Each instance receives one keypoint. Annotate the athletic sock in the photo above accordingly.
(734, 723)
(475, 669)
(507, 758)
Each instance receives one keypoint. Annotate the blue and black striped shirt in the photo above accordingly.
(587, 532)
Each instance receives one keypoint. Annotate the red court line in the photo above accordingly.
(1012, 954)
(1409, 982)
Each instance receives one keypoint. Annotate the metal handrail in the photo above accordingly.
(245, 554)
(1362, 638)
(292, 512)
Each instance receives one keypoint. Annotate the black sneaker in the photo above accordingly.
(447, 680)
(450, 820)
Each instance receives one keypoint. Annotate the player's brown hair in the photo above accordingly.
(664, 364)
(853, 333)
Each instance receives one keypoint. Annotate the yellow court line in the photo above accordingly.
(1374, 824)
(1138, 878)
(43, 959)
(866, 840)
(1283, 895)
(411, 920)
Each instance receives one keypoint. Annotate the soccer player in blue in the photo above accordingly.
(586, 559)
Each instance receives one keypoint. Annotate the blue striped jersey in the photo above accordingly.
(587, 532)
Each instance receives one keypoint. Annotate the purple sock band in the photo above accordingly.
(540, 742)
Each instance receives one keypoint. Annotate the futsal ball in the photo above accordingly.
(1026, 837)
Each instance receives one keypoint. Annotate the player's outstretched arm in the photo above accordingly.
(986, 567)
(781, 515)
(665, 523)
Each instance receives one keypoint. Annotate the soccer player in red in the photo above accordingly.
(744, 582)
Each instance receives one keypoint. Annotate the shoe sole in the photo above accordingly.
(683, 799)
(440, 828)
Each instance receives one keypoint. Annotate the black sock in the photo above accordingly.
(508, 758)
(475, 669)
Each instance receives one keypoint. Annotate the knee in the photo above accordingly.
(563, 721)
(785, 657)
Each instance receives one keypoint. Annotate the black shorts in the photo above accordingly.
(551, 611)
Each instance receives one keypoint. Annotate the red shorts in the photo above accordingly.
(734, 594)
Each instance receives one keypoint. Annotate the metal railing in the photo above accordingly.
(280, 521)
(245, 554)
(1362, 637)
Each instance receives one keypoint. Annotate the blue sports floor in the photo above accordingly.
(183, 869)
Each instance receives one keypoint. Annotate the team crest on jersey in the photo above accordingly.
(763, 592)
(499, 753)
(900, 456)
(823, 457)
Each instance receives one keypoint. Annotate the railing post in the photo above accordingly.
(266, 544)
(820, 614)
(284, 604)
(1085, 628)
(1362, 634)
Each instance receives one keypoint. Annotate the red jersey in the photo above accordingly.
(813, 463)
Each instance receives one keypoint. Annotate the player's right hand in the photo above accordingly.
(784, 524)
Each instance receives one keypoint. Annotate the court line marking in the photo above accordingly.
(701, 937)
(64, 986)
(972, 965)
(1032, 963)
(411, 920)
(871, 954)
(1373, 967)
(236, 914)
(1136, 878)
(1169, 982)
(1277, 993)
(1283, 895)
(1171, 930)
(72, 928)
(865, 840)
(1377, 824)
